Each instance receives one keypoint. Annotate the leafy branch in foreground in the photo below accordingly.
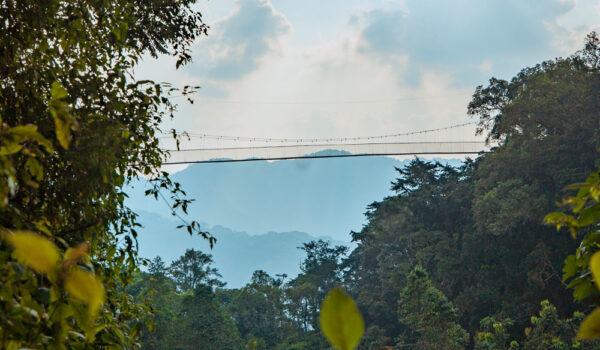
(43, 256)
(76, 127)
(582, 269)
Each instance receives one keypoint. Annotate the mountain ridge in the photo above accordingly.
(236, 254)
(262, 211)
(325, 197)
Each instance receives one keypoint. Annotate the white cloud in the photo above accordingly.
(330, 91)
(238, 43)
(456, 36)
(400, 66)
(570, 29)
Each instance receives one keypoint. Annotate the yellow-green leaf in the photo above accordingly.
(64, 122)
(35, 168)
(10, 148)
(57, 91)
(85, 287)
(63, 132)
(13, 345)
(595, 267)
(341, 322)
(30, 132)
(35, 251)
(590, 327)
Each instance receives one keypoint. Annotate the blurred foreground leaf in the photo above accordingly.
(341, 322)
(85, 287)
(34, 251)
(590, 327)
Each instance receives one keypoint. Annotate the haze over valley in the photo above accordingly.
(260, 212)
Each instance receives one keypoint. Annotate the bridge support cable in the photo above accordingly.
(379, 138)
(313, 151)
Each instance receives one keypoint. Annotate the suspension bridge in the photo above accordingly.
(209, 148)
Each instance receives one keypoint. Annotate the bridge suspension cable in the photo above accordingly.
(315, 140)
(243, 149)
(244, 154)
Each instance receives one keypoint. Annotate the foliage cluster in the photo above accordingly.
(478, 230)
(268, 313)
(75, 127)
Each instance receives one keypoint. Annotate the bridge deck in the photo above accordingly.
(312, 151)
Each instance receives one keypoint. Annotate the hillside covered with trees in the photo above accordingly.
(462, 257)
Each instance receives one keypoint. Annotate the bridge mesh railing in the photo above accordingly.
(274, 152)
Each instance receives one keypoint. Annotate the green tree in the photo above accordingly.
(259, 312)
(184, 318)
(548, 331)
(430, 316)
(75, 127)
(159, 292)
(538, 120)
(203, 323)
(494, 334)
(194, 269)
(321, 272)
(426, 224)
(478, 230)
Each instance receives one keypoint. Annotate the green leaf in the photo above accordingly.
(582, 289)
(595, 267)
(595, 192)
(63, 120)
(570, 267)
(589, 215)
(30, 132)
(590, 327)
(35, 168)
(57, 91)
(341, 322)
(63, 132)
(554, 218)
(13, 345)
(10, 148)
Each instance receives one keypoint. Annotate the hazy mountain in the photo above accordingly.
(324, 197)
(236, 254)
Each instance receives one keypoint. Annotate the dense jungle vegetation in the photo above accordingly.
(458, 258)
(75, 127)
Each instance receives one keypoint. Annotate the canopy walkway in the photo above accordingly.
(220, 149)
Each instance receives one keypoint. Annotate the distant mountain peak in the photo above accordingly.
(328, 153)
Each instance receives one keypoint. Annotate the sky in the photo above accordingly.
(347, 68)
